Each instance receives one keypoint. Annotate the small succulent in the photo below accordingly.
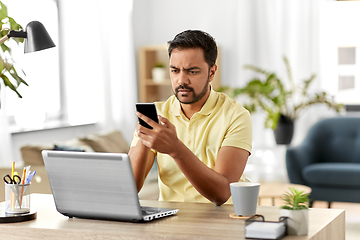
(295, 200)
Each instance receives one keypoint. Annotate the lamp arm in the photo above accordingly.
(12, 33)
(17, 34)
(4, 39)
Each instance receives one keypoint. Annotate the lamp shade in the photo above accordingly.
(37, 38)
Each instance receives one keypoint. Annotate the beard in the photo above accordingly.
(196, 97)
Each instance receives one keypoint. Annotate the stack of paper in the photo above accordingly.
(265, 230)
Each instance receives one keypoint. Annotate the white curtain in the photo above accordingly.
(119, 65)
(5, 136)
(269, 29)
(99, 64)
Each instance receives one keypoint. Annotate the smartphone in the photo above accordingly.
(149, 110)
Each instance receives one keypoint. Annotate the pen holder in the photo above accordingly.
(17, 198)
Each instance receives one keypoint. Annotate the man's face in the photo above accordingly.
(190, 75)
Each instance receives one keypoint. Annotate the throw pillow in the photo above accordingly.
(112, 142)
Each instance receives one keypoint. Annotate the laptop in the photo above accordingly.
(96, 185)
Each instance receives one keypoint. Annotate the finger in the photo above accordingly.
(165, 122)
(142, 130)
(159, 118)
(146, 119)
(144, 135)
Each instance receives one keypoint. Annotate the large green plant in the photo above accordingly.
(8, 68)
(271, 95)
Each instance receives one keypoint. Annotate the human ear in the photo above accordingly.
(212, 71)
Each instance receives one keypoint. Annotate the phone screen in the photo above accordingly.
(149, 110)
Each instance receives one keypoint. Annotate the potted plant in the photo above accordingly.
(281, 105)
(158, 72)
(296, 208)
(8, 68)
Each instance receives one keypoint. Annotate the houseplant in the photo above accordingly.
(281, 105)
(8, 67)
(158, 72)
(296, 209)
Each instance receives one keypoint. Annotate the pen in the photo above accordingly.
(31, 175)
(27, 171)
(12, 195)
(13, 169)
(23, 176)
(22, 188)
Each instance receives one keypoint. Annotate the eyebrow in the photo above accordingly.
(186, 69)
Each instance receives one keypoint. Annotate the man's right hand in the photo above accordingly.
(162, 138)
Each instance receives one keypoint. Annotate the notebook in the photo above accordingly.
(96, 186)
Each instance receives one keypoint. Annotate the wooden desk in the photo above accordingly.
(193, 221)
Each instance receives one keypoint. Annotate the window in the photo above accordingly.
(42, 99)
(348, 75)
(340, 51)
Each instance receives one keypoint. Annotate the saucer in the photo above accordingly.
(233, 215)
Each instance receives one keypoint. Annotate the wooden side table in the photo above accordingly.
(277, 190)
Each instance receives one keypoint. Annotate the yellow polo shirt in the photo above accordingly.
(221, 122)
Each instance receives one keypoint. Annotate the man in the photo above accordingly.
(204, 137)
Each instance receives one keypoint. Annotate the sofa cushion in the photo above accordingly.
(31, 154)
(67, 148)
(112, 142)
(333, 174)
(101, 142)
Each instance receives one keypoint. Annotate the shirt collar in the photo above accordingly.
(205, 110)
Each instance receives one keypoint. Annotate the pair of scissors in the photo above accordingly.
(15, 180)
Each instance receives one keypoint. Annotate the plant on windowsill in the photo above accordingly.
(296, 209)
(282, 106)
(8, 68)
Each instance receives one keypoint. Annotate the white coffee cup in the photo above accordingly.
(245, 197)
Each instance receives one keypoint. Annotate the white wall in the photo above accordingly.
(158, 21)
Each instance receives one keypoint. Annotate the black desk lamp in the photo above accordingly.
(36, 37)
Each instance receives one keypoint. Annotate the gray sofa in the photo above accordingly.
(328, 160)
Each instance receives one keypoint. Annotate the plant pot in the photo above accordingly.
(297, 222)
(284, 130)
(158, 74)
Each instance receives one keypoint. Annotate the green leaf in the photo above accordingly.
(5, 48)
(10, 85)
(256, 69)
(14, 25)
(295, 199)
(15, 75)
(3, 11)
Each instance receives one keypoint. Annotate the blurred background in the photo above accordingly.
(91, 81)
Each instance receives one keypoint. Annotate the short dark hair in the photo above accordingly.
(195, 39)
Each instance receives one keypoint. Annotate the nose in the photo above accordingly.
(183, 78)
